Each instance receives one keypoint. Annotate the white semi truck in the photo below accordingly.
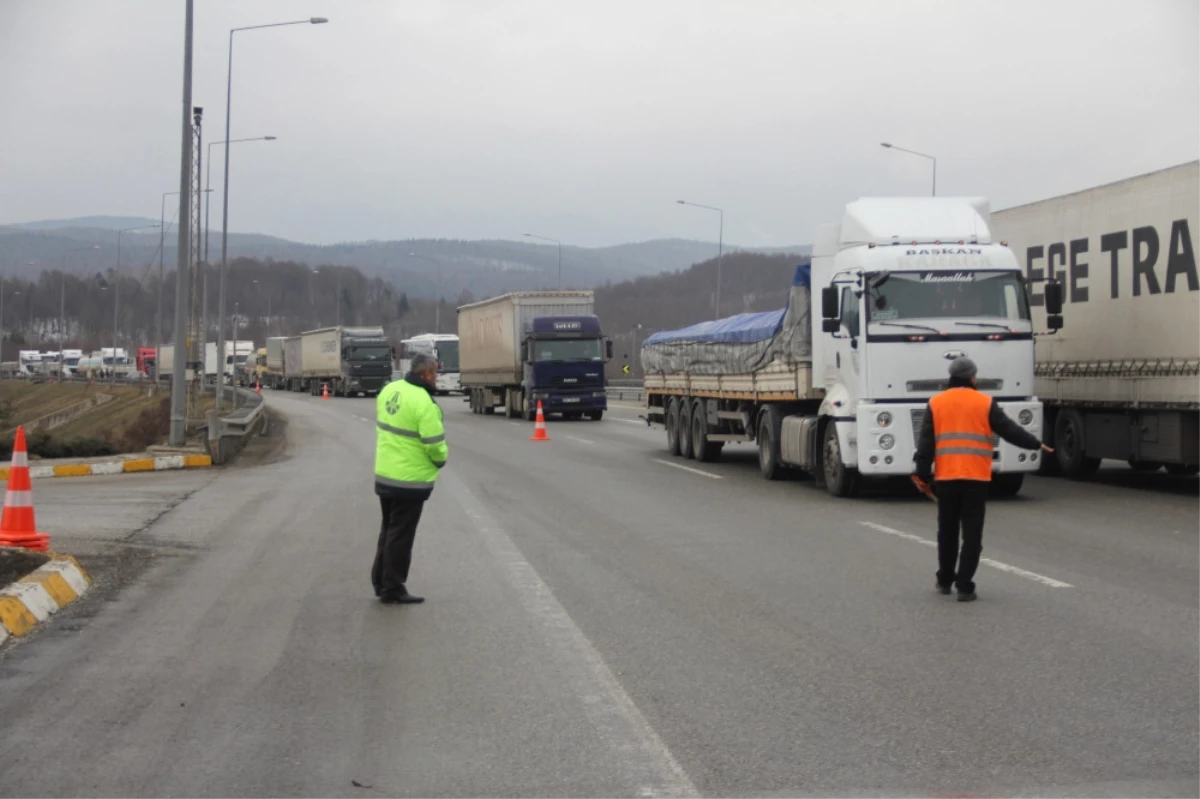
(1121, 380)
(836, 384)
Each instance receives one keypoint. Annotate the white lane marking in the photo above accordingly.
(995, 564)
(580, 440)
(709, 475)
(618, 722)
(516, 424)
(628, 421)
(362, 418)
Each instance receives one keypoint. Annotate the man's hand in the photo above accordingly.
(1046, 448)
(922, 486)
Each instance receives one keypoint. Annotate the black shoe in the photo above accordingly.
(401, 597)
(944, 590)
(969, 596)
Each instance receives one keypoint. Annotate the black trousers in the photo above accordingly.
(393, 553)
(961, 504)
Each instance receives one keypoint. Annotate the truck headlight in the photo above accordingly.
(887, 441)
(1025, 417)
(884, 419)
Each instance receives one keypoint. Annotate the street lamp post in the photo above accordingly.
(225, 188)
(117, 293)
(62, 297)
(437, 306)
(556, 241)
(914, 152)
(720, 251)
(162, 241)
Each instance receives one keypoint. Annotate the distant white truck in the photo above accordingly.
(1121, 380)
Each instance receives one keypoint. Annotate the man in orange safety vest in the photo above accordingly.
(956, 444)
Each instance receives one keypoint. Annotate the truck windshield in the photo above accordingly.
(370, 354)
(447, 354)
(588, 349)
(943, 295)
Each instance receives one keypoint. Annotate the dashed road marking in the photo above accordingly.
(709, 475)
(580, 440)
(628, 421)
(995, 564)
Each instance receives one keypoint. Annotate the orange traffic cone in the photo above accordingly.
(324, 391)
(18, 527)
(258, 387)
(539, 427)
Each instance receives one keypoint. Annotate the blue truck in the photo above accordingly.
(521, 348)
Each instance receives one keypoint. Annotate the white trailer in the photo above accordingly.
(350, 360)
(1121, 379)
(838, 387)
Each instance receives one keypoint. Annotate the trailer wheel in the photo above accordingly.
(530, 408)
(702, 449)
(1183, 469)
(1070, 446)
(840, 479)
(672, 424)
(769, 462)
(685, 428)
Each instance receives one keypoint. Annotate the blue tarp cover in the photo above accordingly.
(741, 329)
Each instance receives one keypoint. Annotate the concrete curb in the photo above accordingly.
(160, 463)
(39, 594)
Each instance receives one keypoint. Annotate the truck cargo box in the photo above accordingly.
(490, 332)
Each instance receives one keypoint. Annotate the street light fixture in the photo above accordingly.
(720, 250)
(437, 307)
(556, 241)
(914, 152)
(225, 188)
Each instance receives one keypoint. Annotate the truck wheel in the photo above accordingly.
(840, 480)
(685, 428)
(1005, 485)
(1144, 466)
(486, 399)
(702, 450)
(595, 416)
(530, 410)
(672, 422)
(1183, 469)
(1070, 446)
(769, 462)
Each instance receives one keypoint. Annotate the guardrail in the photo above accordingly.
(625, 390)
(228, 434)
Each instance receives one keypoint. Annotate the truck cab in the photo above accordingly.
(895, 311)
(563, 358)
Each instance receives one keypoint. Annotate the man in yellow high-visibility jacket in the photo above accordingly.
(410, 449)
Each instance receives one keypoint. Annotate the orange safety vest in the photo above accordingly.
(963, 439)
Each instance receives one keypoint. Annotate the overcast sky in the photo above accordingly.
(585, 121)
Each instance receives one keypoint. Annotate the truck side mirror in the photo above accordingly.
(1054, 298)
(829, 305)
(608, 348)
(831, 325)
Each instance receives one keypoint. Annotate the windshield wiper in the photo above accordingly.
(987, 324)
(906, 324)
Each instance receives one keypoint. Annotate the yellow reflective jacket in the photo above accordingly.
(410, 441)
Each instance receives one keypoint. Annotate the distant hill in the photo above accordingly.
(484, 268)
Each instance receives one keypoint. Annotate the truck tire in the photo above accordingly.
(671, 420)
(1183, 469)
(595, 416)
(488, 408)
(840, 480)
(1070, 446)
(702, 449)
(530, 409)
(1005, 485)
(769, 462)
(1144, 466)
(685, 428)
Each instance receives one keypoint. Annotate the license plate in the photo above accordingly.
(570, 399)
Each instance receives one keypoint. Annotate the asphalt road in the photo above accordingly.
(601, 621)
